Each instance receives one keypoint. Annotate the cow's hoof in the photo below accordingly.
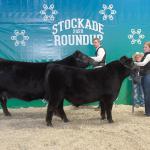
(8, 114)
(110, 121)
(49, 124)
(66, 120)
(103, 118)
(97, 109)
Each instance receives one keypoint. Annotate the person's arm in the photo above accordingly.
(144, 62)
(100, 55)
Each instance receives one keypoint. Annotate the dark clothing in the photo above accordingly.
(136, 78)
(145, 69)
(101, 63)
(146, 84)
(137, 91)
(146, 90)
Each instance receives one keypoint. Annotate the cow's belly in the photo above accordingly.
(83, 97)
(25, 95)
(84, 92)
(26, 90)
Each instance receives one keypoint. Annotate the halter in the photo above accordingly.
(126, 66)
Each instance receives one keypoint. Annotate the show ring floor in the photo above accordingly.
(26, 130)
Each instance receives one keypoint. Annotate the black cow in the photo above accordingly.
(25, 80)
(80, 86)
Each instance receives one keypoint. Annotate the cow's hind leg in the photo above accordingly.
(3, 101)
(53, 103)
(49, 115)
(108, 103)
(102, 106)
(61, 112)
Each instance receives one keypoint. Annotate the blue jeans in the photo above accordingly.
(137, 95)
(146, 90)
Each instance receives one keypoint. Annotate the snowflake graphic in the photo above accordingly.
(48, 12)
(136, 36)
(108, 12)
(20, 37)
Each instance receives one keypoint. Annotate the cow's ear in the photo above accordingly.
(77, 53)
(123, 59)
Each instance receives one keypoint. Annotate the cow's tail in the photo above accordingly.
(47, 82)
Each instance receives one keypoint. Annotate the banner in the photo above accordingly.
(49, 30)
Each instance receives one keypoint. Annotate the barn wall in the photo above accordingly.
(43, 30)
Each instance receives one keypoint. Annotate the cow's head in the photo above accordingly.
(82, 60)
(127, 62)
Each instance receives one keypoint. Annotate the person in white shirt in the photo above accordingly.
(145, 72)
(100, 54)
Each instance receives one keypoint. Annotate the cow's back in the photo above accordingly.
(22, 80)
(85, 85)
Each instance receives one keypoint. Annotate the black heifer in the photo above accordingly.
(26, 80)
(80, 86)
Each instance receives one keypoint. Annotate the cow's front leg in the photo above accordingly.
(102, 106)
(4, 106)
(61, 112)
(109, 112)
(108, 103)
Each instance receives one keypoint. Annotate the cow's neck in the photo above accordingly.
(118, 68)
(123, 71)
(67, 61)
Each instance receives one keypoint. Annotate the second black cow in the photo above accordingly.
(80, 86)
